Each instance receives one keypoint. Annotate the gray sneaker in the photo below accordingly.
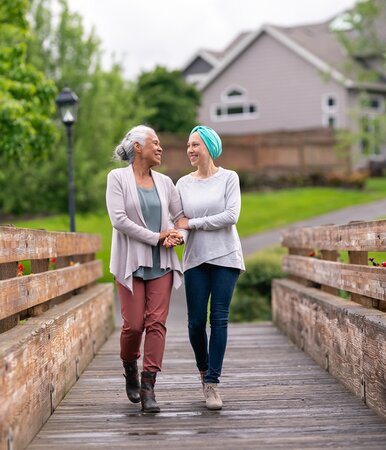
(212, 397)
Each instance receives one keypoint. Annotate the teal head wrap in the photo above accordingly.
(211, 140)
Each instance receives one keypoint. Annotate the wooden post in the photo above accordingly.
(329, 255)
(360, 258)
(300, 252)
(8, 270)
(39, 266)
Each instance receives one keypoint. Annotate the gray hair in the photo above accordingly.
(125, 150)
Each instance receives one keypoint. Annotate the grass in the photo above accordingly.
(85, 223)
(261, 211)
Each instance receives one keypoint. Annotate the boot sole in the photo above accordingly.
(151, 411)
(137, 400)
(213, 408)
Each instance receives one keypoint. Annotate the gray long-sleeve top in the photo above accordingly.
(212, 206)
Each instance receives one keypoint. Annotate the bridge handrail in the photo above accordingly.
(53, 319)
(346, 338)
(313, 258)
(59, 263)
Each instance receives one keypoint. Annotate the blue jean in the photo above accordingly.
(218, 283)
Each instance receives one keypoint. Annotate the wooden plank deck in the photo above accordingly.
(275, 397)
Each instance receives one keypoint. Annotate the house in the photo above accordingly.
(288, 78)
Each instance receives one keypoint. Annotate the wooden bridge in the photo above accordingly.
(57, 338)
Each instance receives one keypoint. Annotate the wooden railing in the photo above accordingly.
(335, 310)
(52, 322)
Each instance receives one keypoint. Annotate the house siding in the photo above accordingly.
(287, 90)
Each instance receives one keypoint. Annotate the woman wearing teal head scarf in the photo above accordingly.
(212, 257)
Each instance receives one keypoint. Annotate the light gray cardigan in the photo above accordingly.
(132, 241)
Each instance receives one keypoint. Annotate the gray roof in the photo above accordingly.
(319, 40)
(316, 43)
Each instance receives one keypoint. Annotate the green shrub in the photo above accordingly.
(252, 298)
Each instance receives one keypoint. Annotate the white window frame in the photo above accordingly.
(381, 108)
(326, 117)
(326, 107)
(225, 117)
(238, 98)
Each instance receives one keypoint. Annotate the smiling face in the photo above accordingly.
(196, 149)
(151, 151)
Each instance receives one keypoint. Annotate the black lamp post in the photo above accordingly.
(67, 102)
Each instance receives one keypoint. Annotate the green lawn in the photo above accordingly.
(264, 210)
(261, 211)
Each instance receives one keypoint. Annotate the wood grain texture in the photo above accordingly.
(20, 293)
(343, 337)
(329, 255)
(364, 280)
(275, 398)
(17, 244)
(359, 236)
(41, 359)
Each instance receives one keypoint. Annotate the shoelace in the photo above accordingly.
(209, 389)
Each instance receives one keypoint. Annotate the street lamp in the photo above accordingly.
(67, 103)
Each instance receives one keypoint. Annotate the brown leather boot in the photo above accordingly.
(132, 381)
(148, 401)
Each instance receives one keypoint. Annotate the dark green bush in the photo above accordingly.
(252, 298)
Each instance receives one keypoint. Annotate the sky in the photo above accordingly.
(145, 33)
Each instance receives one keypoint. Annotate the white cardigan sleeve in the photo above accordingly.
(118, 215)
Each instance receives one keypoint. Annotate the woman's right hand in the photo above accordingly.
(174, 235)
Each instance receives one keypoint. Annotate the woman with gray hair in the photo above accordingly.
(140, 203)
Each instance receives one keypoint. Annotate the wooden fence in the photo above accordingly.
(346, 337)
(52, 322)
(268, 155)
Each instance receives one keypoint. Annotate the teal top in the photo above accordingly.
(151, 211)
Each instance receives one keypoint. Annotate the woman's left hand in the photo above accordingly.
(183, 223)
(173, 239)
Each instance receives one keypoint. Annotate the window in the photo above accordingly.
(371, 135)
(235, 111)
(372, 103)
(329, 103)
(330, 121)
(376, 103)
(234, 94)
(234, 105)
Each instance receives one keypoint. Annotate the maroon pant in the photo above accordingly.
(146, 308)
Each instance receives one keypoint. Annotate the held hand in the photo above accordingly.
(183, 223)
(164, 234)
(173, 239)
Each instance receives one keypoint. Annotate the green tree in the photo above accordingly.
(26, 95)
(71, 57)
(173, 103)
(363, 36)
